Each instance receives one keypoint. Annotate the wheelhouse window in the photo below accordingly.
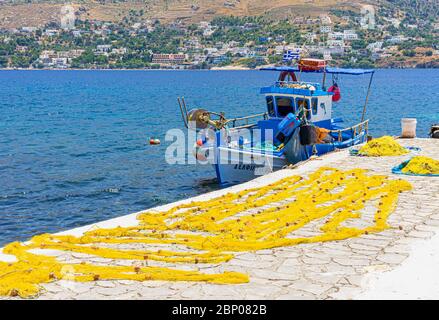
(270, 106)
(303, 108)
(314, 106)
(284, 106)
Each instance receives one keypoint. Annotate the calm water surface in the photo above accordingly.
(73, 144)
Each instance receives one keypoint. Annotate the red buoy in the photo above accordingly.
(336, 93)
(154, 141)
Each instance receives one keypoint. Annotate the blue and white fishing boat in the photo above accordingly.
(297, 125)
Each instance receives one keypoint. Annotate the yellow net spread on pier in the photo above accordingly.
(422, 165)
(384, 146)
(209, 232)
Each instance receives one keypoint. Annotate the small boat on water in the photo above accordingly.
(297, 125)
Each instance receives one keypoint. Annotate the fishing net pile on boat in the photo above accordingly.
(419, 165)
(384, 146)
(326, 205)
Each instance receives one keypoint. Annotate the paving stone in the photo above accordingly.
(247, 256)
(365, 252)
(399, 248)
(424, 227)
(194, 292)
(392, 258)
(378, 267)
(287, 254)
(308, 286)
(53, 287)
(323, 260)
(252, 264)
(421, 234)
(286, 274)
(219, 290)
(432, 222)
(254, 290)
(371, 242)
(118, 290)
(291, 262)
(362, 247)
(345, 293)
(267, 258)
(355, 280)
(296, 295)
(324, 277)
(334, 252)
(179, 285)
(106, 284)
(126, 282)
(156, 293)
(352, 262)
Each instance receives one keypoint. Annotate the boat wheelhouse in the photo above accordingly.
(297, 125)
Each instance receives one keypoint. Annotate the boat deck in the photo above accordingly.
(328, 270)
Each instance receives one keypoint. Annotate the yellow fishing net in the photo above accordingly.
(210, 232)
(421, 165)
(384, 146)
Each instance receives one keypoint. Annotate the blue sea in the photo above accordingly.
(74, 144)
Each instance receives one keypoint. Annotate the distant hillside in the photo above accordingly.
(17, 13)
(416, 9)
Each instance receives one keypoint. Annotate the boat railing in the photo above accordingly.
(244, 122)
(220, 121)
(356, 130)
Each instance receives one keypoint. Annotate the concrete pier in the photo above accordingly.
(349, 269)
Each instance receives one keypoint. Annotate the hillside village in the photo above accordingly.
(343, 37)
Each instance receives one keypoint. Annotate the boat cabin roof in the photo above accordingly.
(329, 70)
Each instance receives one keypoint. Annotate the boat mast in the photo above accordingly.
(367, 97)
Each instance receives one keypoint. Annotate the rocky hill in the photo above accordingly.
(18, 13)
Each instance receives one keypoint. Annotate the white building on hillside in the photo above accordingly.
(335, 36)
(103, 49)
(375, 46)
(335, 43)
(28, 29)
(327, 55)
(350, 35)
(325, 29)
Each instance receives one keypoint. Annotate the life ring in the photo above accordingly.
(284, 74)
(336, 92)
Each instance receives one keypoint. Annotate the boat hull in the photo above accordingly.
(235, 166)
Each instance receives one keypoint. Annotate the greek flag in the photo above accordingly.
(291, 54)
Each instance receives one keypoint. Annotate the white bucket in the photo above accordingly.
(408, 126)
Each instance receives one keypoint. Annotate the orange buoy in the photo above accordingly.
(199, 142)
